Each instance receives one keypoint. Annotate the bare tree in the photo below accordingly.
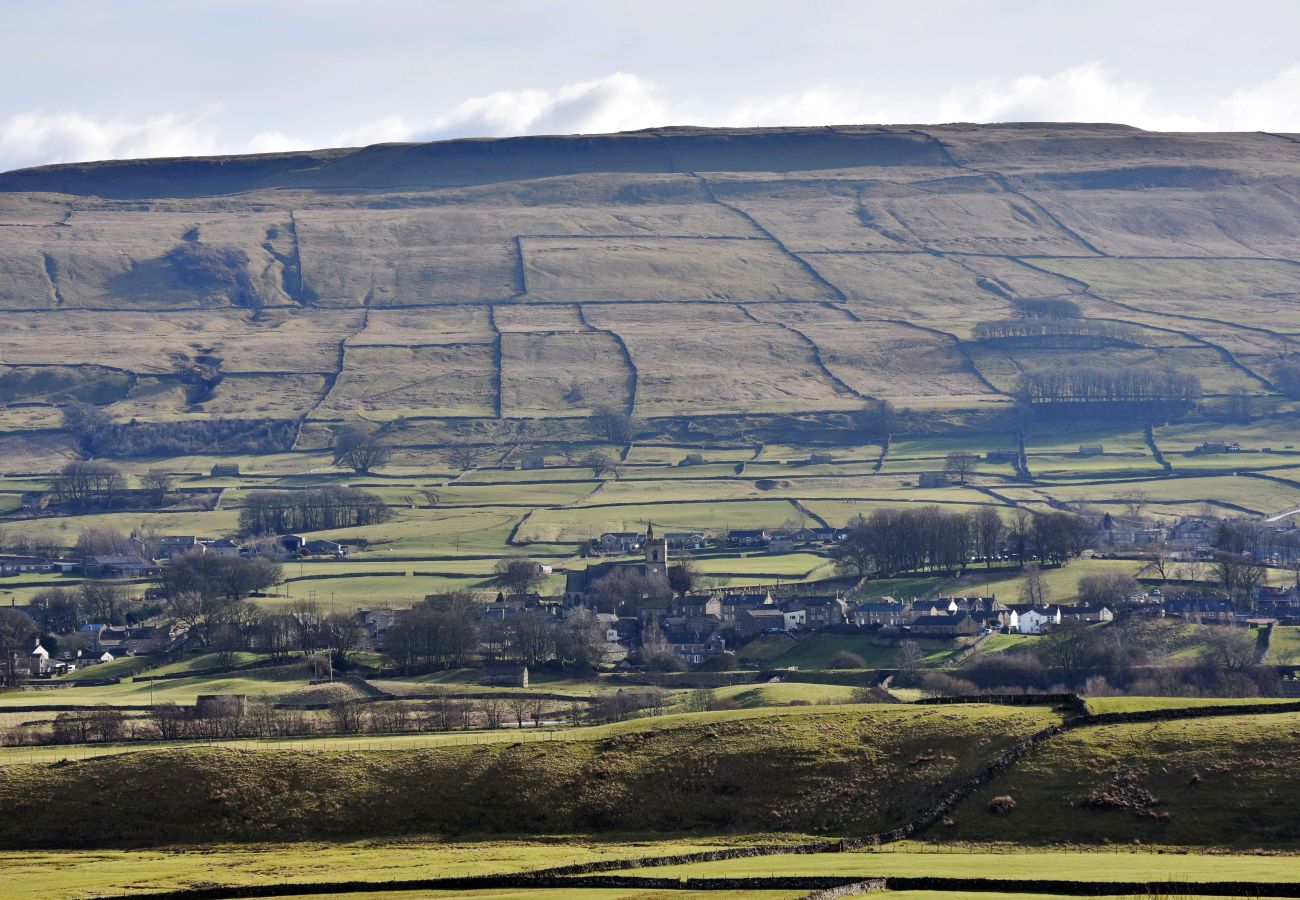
(1134, 502)
(463, 457)
(961, 464)
(1033, 588)
(1240, 575)
(360, 449)
(519, 574)
(17, 631)
(158, 483)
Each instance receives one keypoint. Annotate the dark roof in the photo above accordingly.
(880, 606)
(945, 621)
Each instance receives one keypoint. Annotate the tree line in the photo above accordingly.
(92, 432)
(1056, 332)
(1085, 384)
(897, 541)
(447, 630)
(284, 512)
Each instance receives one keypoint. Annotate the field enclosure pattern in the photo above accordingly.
(675, 274)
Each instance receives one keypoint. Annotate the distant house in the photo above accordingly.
(780, 542)
(224, 470)
(880, 612)
(1195, 609)
(291, 543)
(686, 540)
(375, 624)
(1085, 615)
(177, 545)
(820, 459)
(760, 621)
(821, 611)
(1209, 447)
(1091, 449)
(732, 605)
(221, 547)
(38, 661)
(699, 605)
(620, 542)
(694, 647)
(15, 565)
(504, 676)
(944, 625)
(747, 537)
(934, 479)
(532, 463)
(119, 567)
(1033, 620)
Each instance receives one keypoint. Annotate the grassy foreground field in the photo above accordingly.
(69, 874)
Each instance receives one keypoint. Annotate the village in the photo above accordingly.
(644, 603)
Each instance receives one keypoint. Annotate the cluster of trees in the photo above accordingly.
(16, 633)
(64, 610)
(305, 629)
(215, 270)
(282, 512)
(1056, 332)
(447, 630)
(894, 541)
(360, 449)
(1085, 384)
(1048, 308)
(84, 486)
(616, 425)
(92, 432)
(624, 588)
(1127, 656)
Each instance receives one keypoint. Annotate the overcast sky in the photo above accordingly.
(88, 79)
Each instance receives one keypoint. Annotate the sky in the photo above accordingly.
(87, 79)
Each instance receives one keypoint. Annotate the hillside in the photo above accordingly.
(724, 286)
(840, 771)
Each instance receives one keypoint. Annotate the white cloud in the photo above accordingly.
(275, 142)
(1086, 93)
(617, 102)
(623, 101)
(1271, 106)
(35, 138)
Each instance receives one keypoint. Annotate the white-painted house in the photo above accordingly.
(1034, 621)
(38, 661)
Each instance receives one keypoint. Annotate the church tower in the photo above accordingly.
(656, 552)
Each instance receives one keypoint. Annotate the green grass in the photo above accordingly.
(817, 651)
(834, 767)
(1001, 643)
(783, 694)
(1061, 582)
(60, 874)
(1134, 704)
(118, 668)
(912, 859)
(1284, 647)
(1212, 782)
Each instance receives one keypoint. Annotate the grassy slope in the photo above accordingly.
(845, 770)
(1220, 781)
